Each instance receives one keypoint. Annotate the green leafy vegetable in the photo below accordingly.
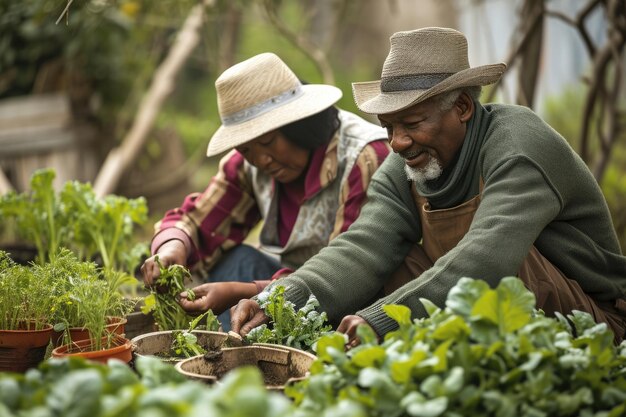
(77, 219)
(185, 343)
(37, 214)
(299, 329)
(488, 353)
(163, 304)
(75, 387)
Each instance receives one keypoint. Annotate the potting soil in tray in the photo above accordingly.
(279, 364)
(159, 343)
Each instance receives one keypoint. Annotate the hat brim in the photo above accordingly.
(315, 98)
(370, 99)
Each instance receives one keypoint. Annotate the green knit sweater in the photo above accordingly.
(536, 191)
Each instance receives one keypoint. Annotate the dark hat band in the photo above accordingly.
(412, 82)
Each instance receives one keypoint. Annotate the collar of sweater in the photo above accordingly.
(461, 183)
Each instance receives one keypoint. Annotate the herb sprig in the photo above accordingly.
(185, 343)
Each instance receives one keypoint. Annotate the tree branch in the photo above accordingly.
(317, 55)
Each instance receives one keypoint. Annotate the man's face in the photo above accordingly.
(426, 137)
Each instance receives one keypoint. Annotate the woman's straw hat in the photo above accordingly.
(422, 63)
(262, 94)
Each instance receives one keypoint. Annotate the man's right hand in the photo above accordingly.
(245, 316)
(172, 252)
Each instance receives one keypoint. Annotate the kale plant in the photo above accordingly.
(299, 329)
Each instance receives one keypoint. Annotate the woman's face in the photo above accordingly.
(275, 155)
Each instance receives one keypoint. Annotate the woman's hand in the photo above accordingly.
(172, 252)
(217, 296)
(348, 326)
(245, 316)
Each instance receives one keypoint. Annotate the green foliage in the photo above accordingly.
(24, 296)
(104, 226)
(162, 300)
(65, 292)
(185, 343)
(73, 387)
(37, 214)
(76, 219)
(488, 353)
(299, 329)
(81, 53)
(500, 359)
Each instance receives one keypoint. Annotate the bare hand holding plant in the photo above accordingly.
(172, 252)
(217, 296)
(245, 316)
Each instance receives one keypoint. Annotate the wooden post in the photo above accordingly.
(121, 157)
(5, 185)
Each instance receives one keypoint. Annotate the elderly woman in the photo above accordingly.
(296, 162)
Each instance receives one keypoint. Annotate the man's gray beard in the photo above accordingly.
(431, 171)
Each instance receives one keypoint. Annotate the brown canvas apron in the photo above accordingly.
(443, 229)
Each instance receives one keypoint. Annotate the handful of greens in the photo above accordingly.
(163, 304)
(299, 329)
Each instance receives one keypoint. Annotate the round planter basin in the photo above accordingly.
(279, 365)
(159, 343)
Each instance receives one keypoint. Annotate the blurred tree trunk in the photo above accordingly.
(531, 55)
(229, 36)
(603, 109)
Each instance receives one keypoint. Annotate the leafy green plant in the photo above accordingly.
(24, 296)
(488, 353)
(80, 293)
(103, 226)
(185, 343)
(162, 300)
(77, 219)
(37, 214)
(74, 387)
(299, 329)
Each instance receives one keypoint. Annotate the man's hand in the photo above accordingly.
(348, 326)
(172, 252)
(245, 316)
(217, 296)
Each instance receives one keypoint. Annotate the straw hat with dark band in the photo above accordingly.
(262, 94)
(422, 63)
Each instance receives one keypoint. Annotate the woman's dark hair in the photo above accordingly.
(313, 131)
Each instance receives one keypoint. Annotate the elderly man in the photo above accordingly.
(471, 191)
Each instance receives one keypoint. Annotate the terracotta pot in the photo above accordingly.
(21, 350)
(280, 365)
(121, 349)
(116, 325)
(158, 343)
